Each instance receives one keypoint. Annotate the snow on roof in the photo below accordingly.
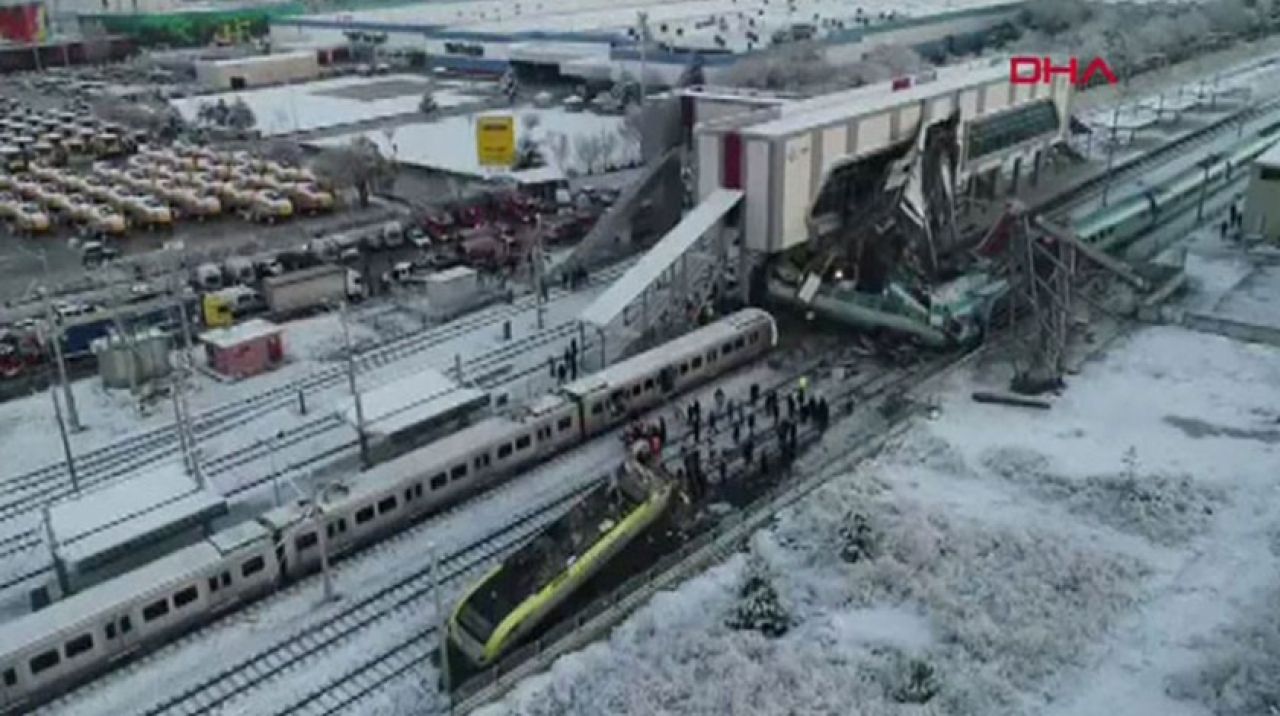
(1270, 158)
(83, 610)
(410, 401)
(610, 304)
(438, 456)
(548, 52)
(232, 336)
(807, 115)
(263, 59)
(98, 525)
(451, 274)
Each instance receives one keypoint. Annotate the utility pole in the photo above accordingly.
(1111, 153)
(62, 427)
(642, 19)
(73, 415)
(539, 280)
(351, 381)
(272, 444)
(184, 374)
(317, 517)
(441, 626)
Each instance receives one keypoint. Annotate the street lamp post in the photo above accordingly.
(355, 393)
(62, 427)
(441, 626)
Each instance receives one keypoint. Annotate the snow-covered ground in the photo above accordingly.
(1098, 557)
(328, 103)
(449, 144)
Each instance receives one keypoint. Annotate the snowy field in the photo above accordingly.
(579, 141)
(329, 103)
(1116, 554)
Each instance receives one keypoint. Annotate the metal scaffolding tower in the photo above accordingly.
(1041, 270)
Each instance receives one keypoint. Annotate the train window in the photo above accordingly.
(45, 661)
(408, 494)
(126, 625)
(226, 582)
(684, 368)
(306, 541)
(417, 490)
(10, 677)
(697, 362)
(564, 424)
(726, 349)
(597, 408)
(253, 566)
(522, 442)
(437, 482)
(482, 461)
(185, 597)
(213, 584)
(79, 645)
(635, 389)
(155, 610)
(458, 472)
(739, 343)
(110, 630)
(711, 356)
(364, 514)
(386, 505)
(504, 451)
(648, 384)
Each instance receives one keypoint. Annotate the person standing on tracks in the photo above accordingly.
(804, 386)
(791, 406)
(755, 394)
(662, 429)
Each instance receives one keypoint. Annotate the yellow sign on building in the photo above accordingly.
(496, 140)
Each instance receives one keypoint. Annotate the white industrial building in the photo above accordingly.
(258, 70)
(1262, 198)
(780, 155)
(595, 39)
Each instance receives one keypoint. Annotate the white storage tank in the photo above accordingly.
(124, 366)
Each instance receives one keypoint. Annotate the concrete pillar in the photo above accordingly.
(1035, 167)
(1013, 180)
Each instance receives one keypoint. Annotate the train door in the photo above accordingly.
(9, 690)
(282, 556)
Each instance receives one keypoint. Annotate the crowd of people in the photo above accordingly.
(747, 423)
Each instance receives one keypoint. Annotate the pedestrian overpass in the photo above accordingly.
(663, 292)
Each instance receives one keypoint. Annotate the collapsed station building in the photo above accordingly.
(850, 200)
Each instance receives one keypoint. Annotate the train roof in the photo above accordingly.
(423, 397)
(110, 596)
(646, 363)
(423, 462)
(102, 525)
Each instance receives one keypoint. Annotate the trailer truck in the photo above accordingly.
(300, 291)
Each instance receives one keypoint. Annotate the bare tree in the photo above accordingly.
(284, 151)
(428, 103)
(241, 117)
(358, 164)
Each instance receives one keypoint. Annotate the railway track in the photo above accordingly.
(1091, 188)
(404, 593)
(145, 448)
(326, 425)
